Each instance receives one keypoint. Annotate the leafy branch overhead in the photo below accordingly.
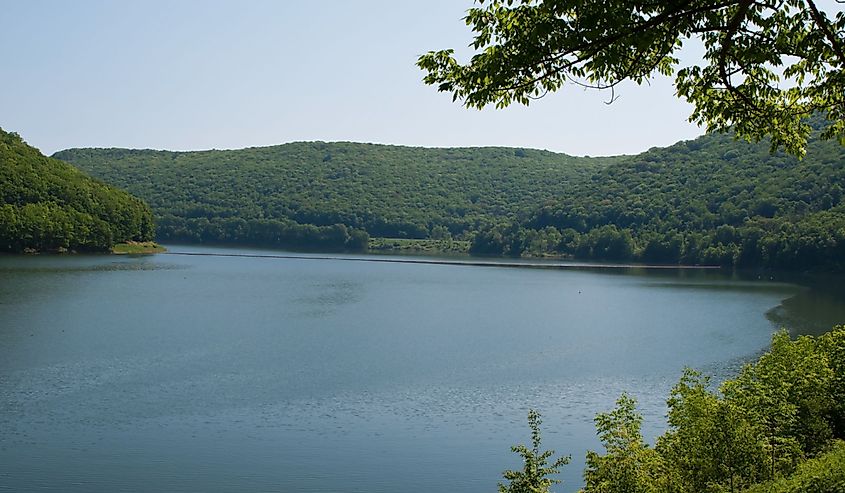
(767, 64)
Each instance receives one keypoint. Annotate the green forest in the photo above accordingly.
(49, 205)
(777, 427)
(376, 190)
(713, 200)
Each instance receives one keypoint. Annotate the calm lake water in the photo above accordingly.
(203, 373)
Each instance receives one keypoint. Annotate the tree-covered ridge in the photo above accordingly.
(712, 200)
(47, 205)
(387, 191)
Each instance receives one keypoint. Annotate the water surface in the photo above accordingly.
(203, 373)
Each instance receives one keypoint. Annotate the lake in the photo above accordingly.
(223, 373)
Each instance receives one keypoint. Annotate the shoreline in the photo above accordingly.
(137, 248)
(473, 263)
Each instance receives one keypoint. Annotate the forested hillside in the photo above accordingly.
(387, 191)
(712, 200)
(48, 205)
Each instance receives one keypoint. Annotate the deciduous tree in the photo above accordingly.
(767, 64)
(534, 476)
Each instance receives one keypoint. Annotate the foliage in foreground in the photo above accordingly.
(778, 426)
(766, 66)
(48, 205)
(822, 474)
(535, 474)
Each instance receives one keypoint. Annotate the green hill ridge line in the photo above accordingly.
(712, 200)
(49, 205)
(387, 191)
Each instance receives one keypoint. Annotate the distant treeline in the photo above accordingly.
(262, 232)
(712, 200)
(48, 205)
(708, 201)
(387, 191)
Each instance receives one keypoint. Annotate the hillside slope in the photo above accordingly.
(48, 205)
(711, 200)
(388, 191)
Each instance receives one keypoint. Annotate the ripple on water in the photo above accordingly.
(324, 376)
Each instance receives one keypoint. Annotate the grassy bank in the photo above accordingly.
(137, 247)
(427, 246)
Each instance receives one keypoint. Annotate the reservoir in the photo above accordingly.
(263, 373)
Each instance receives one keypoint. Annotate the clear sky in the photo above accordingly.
(187, 75)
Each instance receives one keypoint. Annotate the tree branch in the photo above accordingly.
(835, 43)
(727, 43)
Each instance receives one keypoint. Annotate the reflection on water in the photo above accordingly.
(246, 374)
(812, 311)
(61, 265)
(323, 298)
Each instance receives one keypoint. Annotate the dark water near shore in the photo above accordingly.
(201, 373)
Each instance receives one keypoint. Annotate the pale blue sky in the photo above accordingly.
(187, 75)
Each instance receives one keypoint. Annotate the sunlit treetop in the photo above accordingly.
(767, 65)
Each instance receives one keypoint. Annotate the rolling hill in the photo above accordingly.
(712, 200)
(49, 205)
(386, 191)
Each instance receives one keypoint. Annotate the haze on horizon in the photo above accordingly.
(196, 75)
